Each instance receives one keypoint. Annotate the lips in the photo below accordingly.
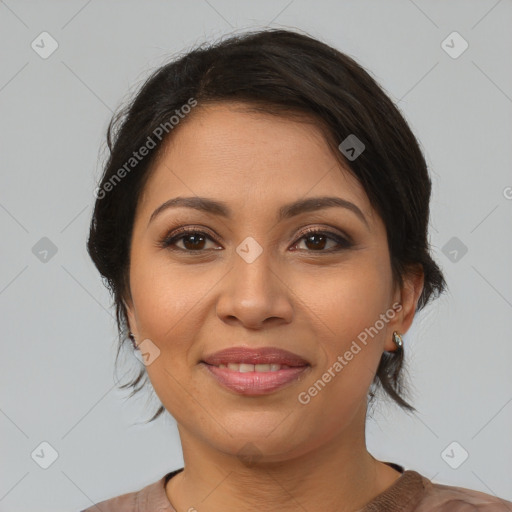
(255, 356)
(254, 383)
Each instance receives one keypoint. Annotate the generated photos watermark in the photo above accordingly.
(137, 156)
(305, 397)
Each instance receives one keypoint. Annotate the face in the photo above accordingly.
(310, 281)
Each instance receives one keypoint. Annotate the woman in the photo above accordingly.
(262, 224)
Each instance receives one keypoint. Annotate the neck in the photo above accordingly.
(339, 474)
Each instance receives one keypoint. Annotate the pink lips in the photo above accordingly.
(255, 383)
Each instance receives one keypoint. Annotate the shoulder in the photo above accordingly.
(117, 504)
(447, 498)
(151, 498)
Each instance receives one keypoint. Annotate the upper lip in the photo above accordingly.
(262, 355)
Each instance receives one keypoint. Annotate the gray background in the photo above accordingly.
(57, 382)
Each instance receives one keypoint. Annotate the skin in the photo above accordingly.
(308, 301)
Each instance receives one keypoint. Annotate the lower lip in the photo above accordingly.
(255, 383)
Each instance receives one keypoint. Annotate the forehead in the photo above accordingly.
(249, 158)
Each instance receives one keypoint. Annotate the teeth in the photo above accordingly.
(244, 368)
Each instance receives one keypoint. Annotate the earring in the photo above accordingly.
(132, 337)
(397, 339)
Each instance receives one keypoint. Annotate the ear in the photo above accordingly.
(408, 296)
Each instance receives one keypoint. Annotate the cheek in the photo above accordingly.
(349, 350)
(345, 310)
(168, 309)
(172, 305)
(346, 299)
(168, 298)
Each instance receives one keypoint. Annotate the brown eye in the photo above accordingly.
(316, 241)
(192, 240)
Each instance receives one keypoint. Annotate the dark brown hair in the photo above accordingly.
(284, 73)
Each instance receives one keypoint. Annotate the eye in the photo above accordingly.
(316, 240)
(193, 240)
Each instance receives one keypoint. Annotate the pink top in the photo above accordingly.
(411, 492)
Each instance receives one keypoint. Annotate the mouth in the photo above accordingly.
(255, 371)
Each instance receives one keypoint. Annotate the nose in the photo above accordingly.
(254, 294)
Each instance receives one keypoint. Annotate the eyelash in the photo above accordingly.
(167, 241)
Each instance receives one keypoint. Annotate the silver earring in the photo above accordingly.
(397, 339)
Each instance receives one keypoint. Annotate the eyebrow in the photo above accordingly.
(287, 211)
